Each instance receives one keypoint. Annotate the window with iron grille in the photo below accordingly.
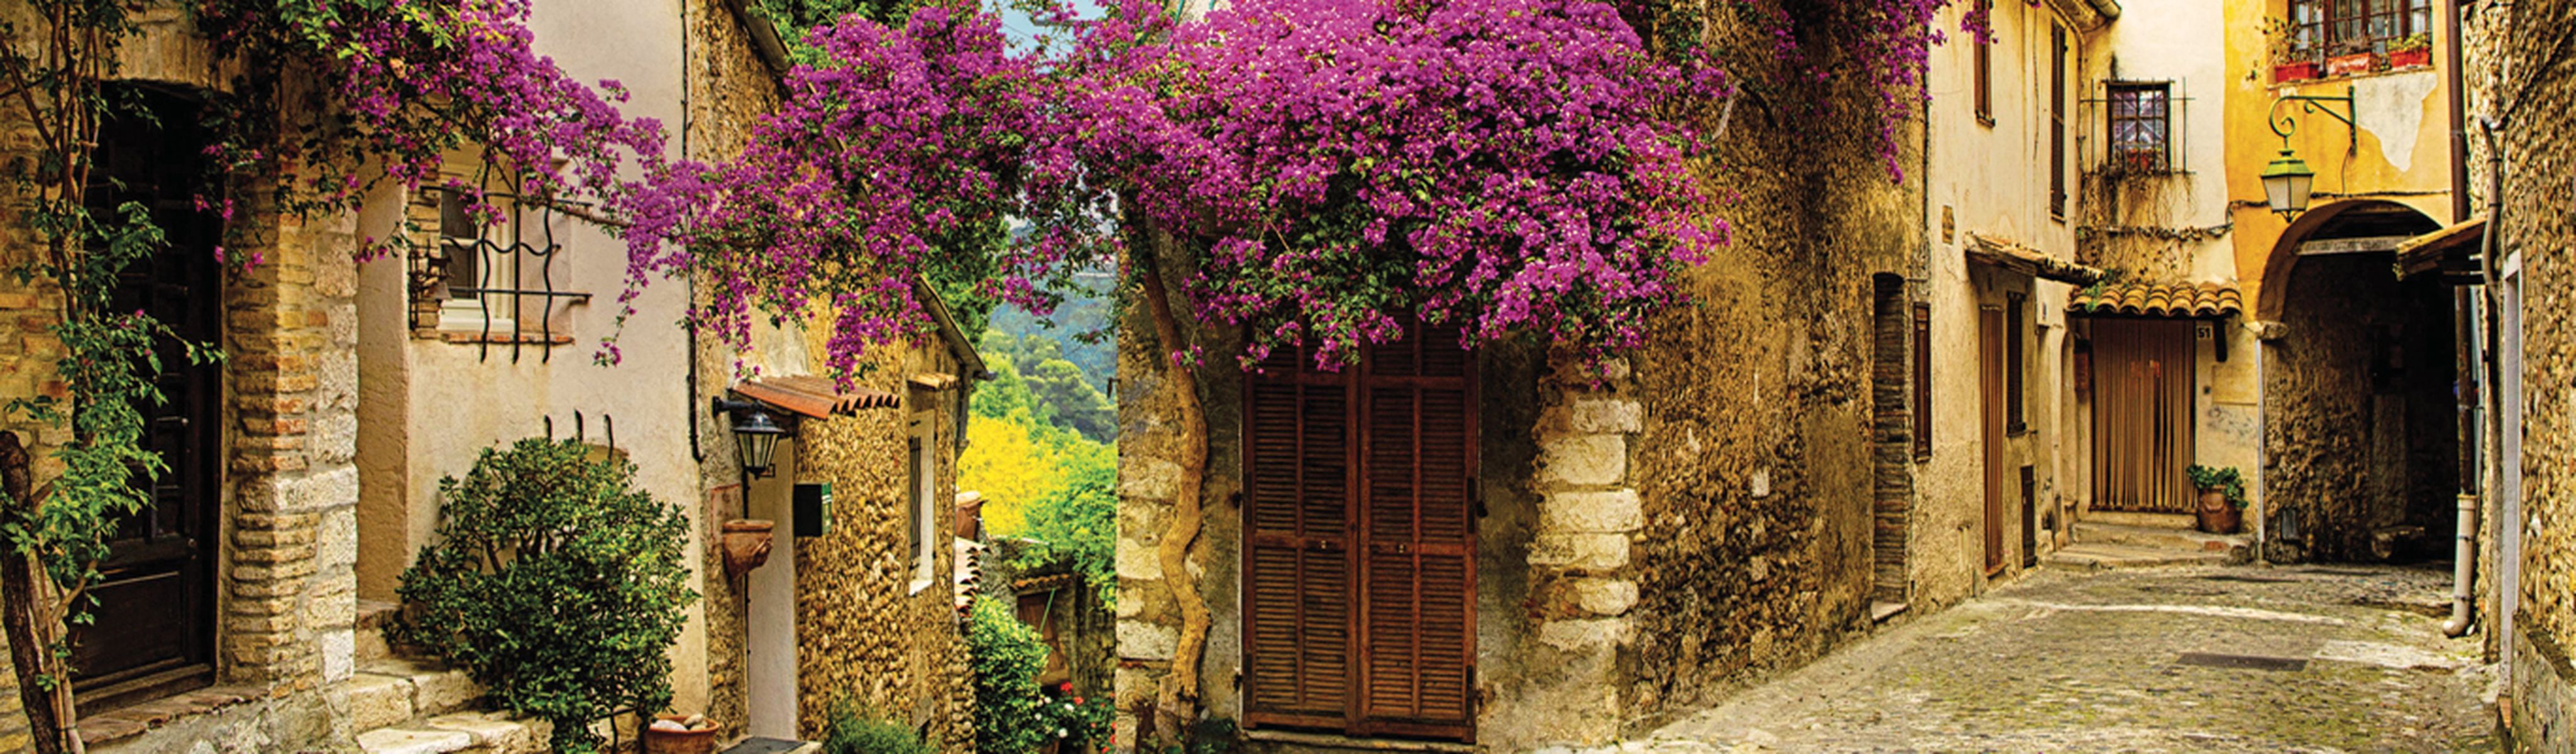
(488, 272)
(2325, 28)
(2141, 120)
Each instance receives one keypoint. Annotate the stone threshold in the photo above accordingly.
(1330, 741)
(1880, 612)
(762, 745)
(127, 722)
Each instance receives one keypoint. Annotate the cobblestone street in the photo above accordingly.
(2307, 659)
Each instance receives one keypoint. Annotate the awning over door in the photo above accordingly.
(2157, 300)
(2002, 254)
(2453, 250)
(814, 397)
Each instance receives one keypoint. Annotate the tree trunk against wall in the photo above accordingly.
(1180, 689)
(47, 705)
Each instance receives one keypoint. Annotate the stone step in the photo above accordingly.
(2233, 548)
(2105, 557)
(465, 732)
(387, 691)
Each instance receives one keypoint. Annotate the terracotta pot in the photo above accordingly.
(2347, 65)
(2217, 516)
(2289, 72)
(701, 740)
(746, 544)
(2416, 58)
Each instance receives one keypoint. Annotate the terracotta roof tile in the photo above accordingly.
(814, 397)
(2172, 300)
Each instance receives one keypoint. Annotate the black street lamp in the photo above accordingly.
(755, 434)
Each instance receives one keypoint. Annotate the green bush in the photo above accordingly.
(1010, 717)
(2224, 480)
(854, 732)
(555, 584)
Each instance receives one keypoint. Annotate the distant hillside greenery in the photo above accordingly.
(1040, 443)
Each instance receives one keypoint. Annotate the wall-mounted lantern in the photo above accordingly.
(2288, 184)
(756, 431)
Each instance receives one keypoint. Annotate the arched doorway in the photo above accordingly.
(2360, 433)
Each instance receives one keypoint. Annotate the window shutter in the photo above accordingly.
(1418, 612)
(1297, 560)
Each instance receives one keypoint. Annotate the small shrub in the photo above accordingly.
(555, 584)
(1010, 716)
(855, 732)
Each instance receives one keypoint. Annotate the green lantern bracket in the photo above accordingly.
(2287, 125)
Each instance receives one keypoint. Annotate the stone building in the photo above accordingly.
(306, 464)
(1587, 557)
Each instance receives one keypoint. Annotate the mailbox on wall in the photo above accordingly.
(813, 509)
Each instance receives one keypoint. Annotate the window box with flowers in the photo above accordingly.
(2414, 51)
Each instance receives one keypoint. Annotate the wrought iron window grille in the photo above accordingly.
(2144, 129)
(505, 274)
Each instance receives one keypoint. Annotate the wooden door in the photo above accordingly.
(2142, 415)
(1990, 359)
(154, 628)
(1359, 554)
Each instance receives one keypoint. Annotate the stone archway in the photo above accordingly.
(2360, 439)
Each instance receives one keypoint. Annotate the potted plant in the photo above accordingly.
(2352, 63)
(2222, 498)
(2289, 63)
(680, 734)
(555, 584)
(2412, 51)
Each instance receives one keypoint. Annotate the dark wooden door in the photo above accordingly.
(154, 631)
(1359, 564)
(2142, 415)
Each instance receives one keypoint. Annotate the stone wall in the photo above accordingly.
(729, 89)
(2540, 146)
(863, 634)
(2352, 445)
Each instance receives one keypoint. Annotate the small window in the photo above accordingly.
(459, 246)
(2057, 122)
(923, 461)
(2141, 118)
(1985, 55)
(2016, 414)
(1922, 381)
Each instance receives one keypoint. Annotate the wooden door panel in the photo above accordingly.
(1990, 324)
(1360, 541)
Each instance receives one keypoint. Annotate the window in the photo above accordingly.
(1986, 65)
(2016, 416)
(922, 450)
(1922, 381)
(2324, 28)
(2057, 121)
(488, 276)
(458, 246)
(2141, 115)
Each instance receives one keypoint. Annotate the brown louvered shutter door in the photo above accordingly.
(1297, 553)
(1417, 623)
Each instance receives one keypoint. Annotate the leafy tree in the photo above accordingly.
(555, 584)
(1007, 463)
(1070, 401)
(1075, 522)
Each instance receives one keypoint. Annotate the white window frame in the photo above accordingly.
(924, 434)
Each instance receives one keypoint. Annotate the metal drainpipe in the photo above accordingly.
(2464, 564)
(2464, 555)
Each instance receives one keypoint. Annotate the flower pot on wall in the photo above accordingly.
(2415, 58)
(2289, 72)
(2217, 516)
(2353, 64)
(746, 544)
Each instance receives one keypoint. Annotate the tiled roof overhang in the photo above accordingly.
(2165, 300)
(814, 397)
(2015, 257)
(2452, 249)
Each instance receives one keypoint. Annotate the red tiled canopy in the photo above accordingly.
(2170, 300)
(814, 397)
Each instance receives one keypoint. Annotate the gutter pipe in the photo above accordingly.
(2464, 554)
(2463, 570)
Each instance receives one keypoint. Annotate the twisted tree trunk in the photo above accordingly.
(1179, 696)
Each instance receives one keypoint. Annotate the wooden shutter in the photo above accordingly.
(1417, 623)
(1297, 560)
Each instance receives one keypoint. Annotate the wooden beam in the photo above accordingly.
(2351, 245)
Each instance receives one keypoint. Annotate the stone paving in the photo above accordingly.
(2295, 659)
